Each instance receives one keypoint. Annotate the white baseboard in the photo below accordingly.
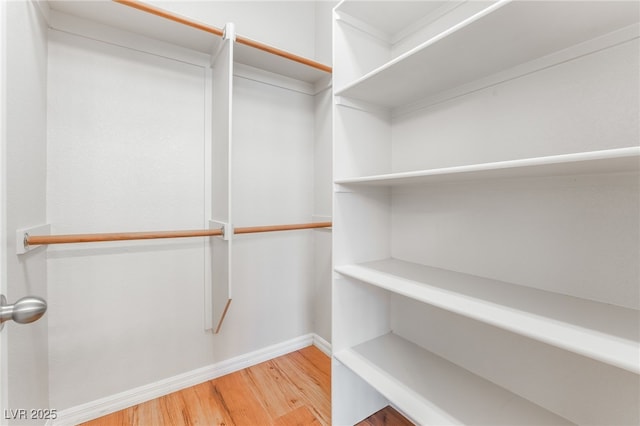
(322, 344)
(101, 407)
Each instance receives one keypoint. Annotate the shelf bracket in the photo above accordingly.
(23, 233)
(229, 32)
(227, 229)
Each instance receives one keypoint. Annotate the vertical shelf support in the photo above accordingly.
(221, 177)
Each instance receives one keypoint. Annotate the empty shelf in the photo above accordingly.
(605, 161)
(502, 36)
(596, 330)
(432, 390)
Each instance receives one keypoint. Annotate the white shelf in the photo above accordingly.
(431, 390)
(596, 330)
(139, 22)
(605, 161)
(158, 28)
(500, 37)
(256, 58)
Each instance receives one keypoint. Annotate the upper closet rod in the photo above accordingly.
(217, 31)
(35, 240)
(171, 16)
(275, 51)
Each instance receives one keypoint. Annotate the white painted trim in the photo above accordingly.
(4, 367)
(322, 344)
(101, 407)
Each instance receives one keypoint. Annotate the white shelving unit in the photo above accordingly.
(601, 331)
(486, 212)
(452, 395)
(477, 47)
(606, 161)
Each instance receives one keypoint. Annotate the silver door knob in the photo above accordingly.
(26, 310)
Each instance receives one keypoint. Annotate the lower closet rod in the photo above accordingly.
(34, 240)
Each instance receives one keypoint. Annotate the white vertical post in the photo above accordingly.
(208, 135)
(221, 177)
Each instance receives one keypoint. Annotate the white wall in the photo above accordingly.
(24, 182)
(272, 184)
(126, 145)
(323, 31)
(323, 191)
(123, 156)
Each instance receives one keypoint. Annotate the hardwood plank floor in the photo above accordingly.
(291, 390)
(294, 389)
(388, 416)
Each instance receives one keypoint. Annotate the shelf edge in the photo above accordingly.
(535, 162)
(470, 20)
(618, 352)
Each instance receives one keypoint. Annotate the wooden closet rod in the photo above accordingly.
(275, 51)
(171, 16)
(217, 31)
(35, 240)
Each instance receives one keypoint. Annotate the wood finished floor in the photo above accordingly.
(294, 389)
(291, 390)
(388, 416)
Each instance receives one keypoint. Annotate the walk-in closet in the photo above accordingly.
(320, 212)
(124, 121)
